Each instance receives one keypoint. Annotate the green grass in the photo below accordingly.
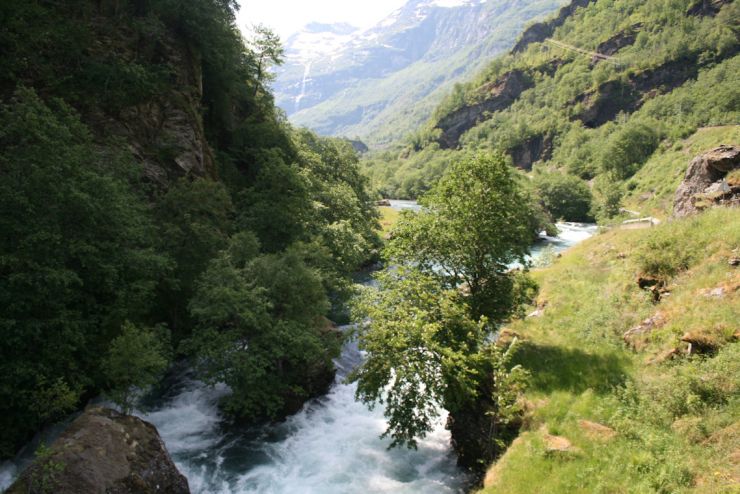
(653, 187)
(388, 218)
(677, 423)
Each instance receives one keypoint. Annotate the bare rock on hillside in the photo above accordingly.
(597, 431)
(704, 183)
(496, 96)
(540, 31)
(104, 451)
(700, 342)
(634, 336)
(557, 445)
(708, 8)
(620, 40)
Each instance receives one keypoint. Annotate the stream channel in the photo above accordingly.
(331, 446)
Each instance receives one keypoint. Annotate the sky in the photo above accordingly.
(288, 16)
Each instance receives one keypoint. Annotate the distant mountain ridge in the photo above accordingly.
(381, 83)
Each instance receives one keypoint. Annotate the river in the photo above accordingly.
(331, 446)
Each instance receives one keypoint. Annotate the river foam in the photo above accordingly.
(331, 446)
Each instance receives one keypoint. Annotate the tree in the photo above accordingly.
(195, 219)
(77, 258)
(628, 147)
(565, 197)
(424, 353)
(268, 52)
(476, 222)
(136, 359)
(258, 328)
(420, 345)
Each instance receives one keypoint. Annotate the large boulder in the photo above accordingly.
(704, 182)
(104, 452)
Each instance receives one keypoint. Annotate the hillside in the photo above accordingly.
(628, 394)
(592, 93)
(382, 83)
(154, 205)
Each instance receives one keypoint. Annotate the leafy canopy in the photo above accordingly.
(476, 222)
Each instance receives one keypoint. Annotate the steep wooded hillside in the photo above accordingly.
(592, 93)
(153, 204)
(382, 83)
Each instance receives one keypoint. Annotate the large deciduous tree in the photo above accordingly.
(425, 328)
(475, 224)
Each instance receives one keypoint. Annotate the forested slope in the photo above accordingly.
(154, 204)
(591, 94)
(387, 81)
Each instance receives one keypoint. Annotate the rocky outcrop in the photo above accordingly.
(708, 8)
(164, 130)
(540, 31)
(615, 96)
(359, 146)
(635, 337)
(619, 95)
(497, 95)
(620, 40)
(104, 452)
(704, 183)
(534, 149)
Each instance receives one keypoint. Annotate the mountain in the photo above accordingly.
(597, 92)
(380, 83)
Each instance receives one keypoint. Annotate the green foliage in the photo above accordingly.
(195, 218)
(419, 341)
(77, 258)
(135, 360)
(258, 328)
(46, 470)
(425, 327)
(666, 254)
(88, 245)
(475, 224)
(628, 148)
(565, 197)
(268, 51)
(608, 193)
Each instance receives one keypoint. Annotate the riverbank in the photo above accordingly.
(629, 393)
(332, 445)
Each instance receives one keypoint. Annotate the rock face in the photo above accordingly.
(104, 452)
(539, 32)
(500, 94)
(534, 149)
(615, 96)
(617, 42)
(164, 130)
(704, 183)
(706, 7)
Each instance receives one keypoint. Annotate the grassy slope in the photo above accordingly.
(677, 421)
(654, 185)
(388, 218)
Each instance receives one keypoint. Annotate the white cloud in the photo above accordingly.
(288, 16)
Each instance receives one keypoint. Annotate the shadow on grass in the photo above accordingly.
(555, 368)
